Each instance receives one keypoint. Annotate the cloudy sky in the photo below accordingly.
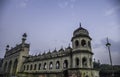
(49, 24)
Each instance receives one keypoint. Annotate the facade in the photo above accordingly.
(75, 61)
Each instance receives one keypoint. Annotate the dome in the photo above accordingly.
(80, 31)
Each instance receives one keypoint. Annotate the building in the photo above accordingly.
(75, 61)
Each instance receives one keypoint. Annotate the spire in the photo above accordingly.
(80, 24)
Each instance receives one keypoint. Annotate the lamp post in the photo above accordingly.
(108, 45)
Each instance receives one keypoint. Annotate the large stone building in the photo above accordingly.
(75, 61)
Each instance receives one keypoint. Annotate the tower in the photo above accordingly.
(82, 52)
(15, 57)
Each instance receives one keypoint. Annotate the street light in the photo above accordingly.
(108, 45)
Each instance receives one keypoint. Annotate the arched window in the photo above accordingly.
(24, 67)
(39, 66)
(86, 76)
(31, 67)
(35, 67)
(57, 65)
(77, 62)
(91, 62)
(27, 67)
(50, 65)
(89, 44)
(76, 43)
(84, 62)
(45, 66)
(9, 66)
(5, 67)
(83, 43)
(15, 66)
(65, 64)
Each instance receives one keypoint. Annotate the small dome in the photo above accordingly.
(80, 31)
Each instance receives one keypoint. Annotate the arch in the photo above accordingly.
(57, 65)
(77, 62)
(86, 76)
(27, 67)
(51, 65)
(65, 64)
(15, 66)
(89, 44)
(9, 66)
(5, 67)
(24, 67)
(45, 66)
(83, 43)
(35, 66)
(31, 67)
(90, 62)
(76, 43)
(84, 62)
(39, 66)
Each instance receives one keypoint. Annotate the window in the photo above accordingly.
(77, 62)
(35, 67)
(50, 65)
(45, 66)
(83, 43)
(76, 43)
(27, 67)
(24, 67)
(57, 65)
(84, 62)
(90, 62)
(39, 66)
(65, 64)
(31, 67)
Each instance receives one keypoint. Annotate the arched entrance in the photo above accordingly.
(9, 67)
(5, 67)
(15, 67)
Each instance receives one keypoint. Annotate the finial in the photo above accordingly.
(7, 47)
(80, 24)
(24, 35)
